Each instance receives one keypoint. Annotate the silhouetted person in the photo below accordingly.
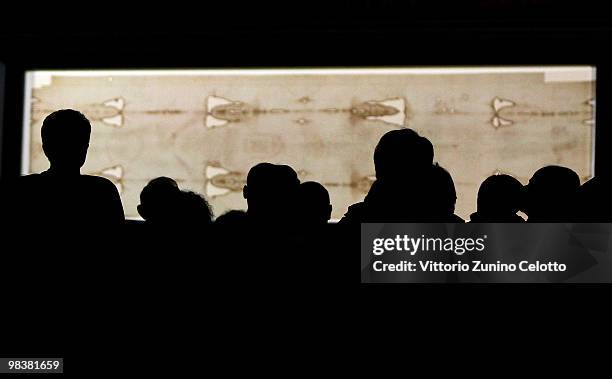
(193, 210)
(403, 163)
(314, 207)
(159, 201)
(271, 192)
(65, 226)
(232, 232)
(266, 229)
(442, 196)
(551, 195)
(499, 199)
(61, 195)
(232, 218)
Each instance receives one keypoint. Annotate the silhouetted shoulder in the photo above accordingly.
(106, 191)
(100, 182)
(51, 198)
(355, 214)
(61, 196)
(90, 180)
(31, 178)
(21, 187)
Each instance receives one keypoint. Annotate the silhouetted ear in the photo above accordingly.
(329, 212)
(141, 211)
(245, 192)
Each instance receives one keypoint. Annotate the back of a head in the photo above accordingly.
(266, 176)
(193, 210)
(499, 195)
(158, 200)
(232, 219)
(401, 153)
(551, 180)
(270, 190)
(65, 138)
(552, 190)
(314, 203)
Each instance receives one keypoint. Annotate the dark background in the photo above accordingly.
(439, 321)
(299, 34)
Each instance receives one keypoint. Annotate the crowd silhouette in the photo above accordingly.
(409, 187)
(65, 232)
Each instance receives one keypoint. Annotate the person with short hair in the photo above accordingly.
(313, 203)
(159, 200)
(403, 163)
(551, 195)
(499, 199)
(62, 194)
(270, 192)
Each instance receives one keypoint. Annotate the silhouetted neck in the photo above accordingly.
(56, 171)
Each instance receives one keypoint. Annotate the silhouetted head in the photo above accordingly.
(442, 192)
(65, 139)
(314, 205)
(401, 153)
(159, 200)
(551, 194)
(233, 218)
(270, 191)
(193, 209)
(499, 195)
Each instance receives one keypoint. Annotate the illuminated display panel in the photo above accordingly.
(206, 128)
